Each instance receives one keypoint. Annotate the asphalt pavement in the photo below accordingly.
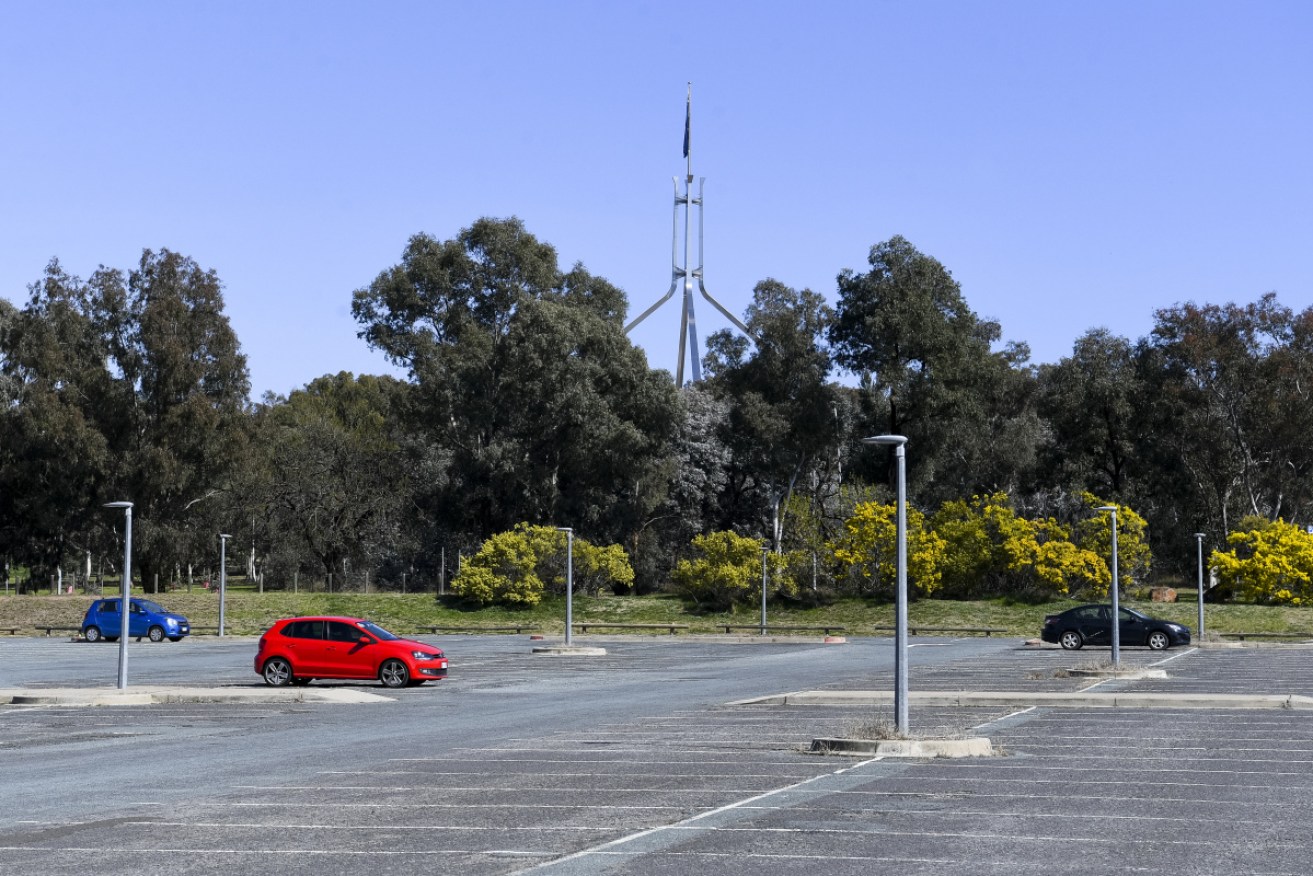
(664, 755)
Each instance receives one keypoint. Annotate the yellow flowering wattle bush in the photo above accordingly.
(517, 568)
(725, 571)
(1269, 561)
(1095, 534)
(867, 550)
(992, 550)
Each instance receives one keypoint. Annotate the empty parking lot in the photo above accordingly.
(638, 762)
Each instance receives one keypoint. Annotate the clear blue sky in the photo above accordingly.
(1073, 164)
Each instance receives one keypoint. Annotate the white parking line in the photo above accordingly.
(609, 848)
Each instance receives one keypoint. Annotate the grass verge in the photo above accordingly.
(249, 613)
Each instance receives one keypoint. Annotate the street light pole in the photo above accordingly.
(569, 584)
(125, 591)
(1116, 610)
(223, 577)
(765, 552)
(1199, 538)
(898, 442)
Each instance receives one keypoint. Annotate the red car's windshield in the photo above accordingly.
(376, 631)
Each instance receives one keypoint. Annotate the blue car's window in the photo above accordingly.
(109, 605)
(152, 607)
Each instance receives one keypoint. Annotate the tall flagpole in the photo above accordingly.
(688, 318)
(691, 317)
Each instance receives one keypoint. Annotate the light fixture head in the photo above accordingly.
(886, 440)
(1112, 508)
(118, 505)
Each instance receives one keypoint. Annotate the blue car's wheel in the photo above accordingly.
(91, 634)
(156, 634)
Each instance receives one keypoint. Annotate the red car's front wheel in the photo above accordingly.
(393, 673)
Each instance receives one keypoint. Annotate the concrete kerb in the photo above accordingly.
(1085, 699)
(971, 746)
(713, 639)
(982, 747)
(563, 650)
(145, 696)
(1109, 672)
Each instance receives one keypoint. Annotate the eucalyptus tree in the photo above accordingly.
(904, 328)
(128, 387)
(1092, 401)
(330, 477)
(54, 458)
(1231, 387)
(783, 426)
(525, 380)
(177, 412)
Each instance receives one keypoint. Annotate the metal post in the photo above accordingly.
(765, 552)
(569, 584)
(1199, 537)
(223, 577)
(898, 442)
(125, 591)
(1116, 609)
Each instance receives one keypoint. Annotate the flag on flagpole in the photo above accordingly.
(688, 118)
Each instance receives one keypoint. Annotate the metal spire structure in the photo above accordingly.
(688, 332)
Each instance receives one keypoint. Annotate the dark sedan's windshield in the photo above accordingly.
(376, 631)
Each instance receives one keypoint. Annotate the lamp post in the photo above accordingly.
(765, 552)
(898, 443)
(1199, 538)
(1116, 610)
(223, 577)
(125, 591)
(569, 584)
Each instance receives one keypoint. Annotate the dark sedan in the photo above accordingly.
(1091, 625)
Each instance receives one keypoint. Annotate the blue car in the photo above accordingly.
(145, 618)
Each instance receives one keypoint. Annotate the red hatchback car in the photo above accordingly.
(298, 650)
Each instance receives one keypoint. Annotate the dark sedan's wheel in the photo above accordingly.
(1159, 641)
(1071, 640)
(92, 634)
(277, 672)
(156, 634)
(393, 673)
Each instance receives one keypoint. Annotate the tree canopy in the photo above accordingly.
(526, 405)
